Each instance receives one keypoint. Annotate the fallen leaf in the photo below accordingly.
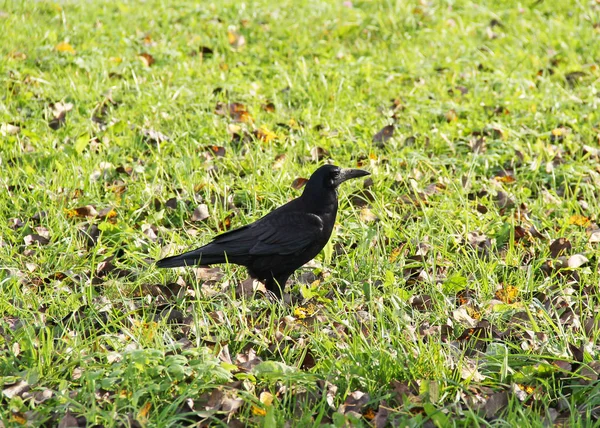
(451, 116)
(579, 220)
(318, 154)
(216, 151)
(35, 238)
(65, 47)
(462, 316)
(559, 247)
(384, 134)
(367, 215)
(235, 39)
(144, 412)
(494, 403)
(469, 370)
(16, 390)
(264, 134)
(355, 402)
(577, 260)
(86, 211)
(9, 129)
(237, 111)
(107, 213)
(200, 213)
(146, 59)
(268, 107)
(594, 236)
(299, 183)
(507, 294)
(150, 136)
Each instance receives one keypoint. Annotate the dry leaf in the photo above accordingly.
(594, 236)
(65, 47)
(367, 215)
(235, 39)
(264, 134)
(318, 154)
(146, 59)
(559, 247)
(579, 220)
(577, 260)
(507, 294)
(299, 183)
(200, 213)
(384, 134)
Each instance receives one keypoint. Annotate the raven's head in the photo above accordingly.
(331, 176)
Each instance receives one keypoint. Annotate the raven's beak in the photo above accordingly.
(347, 174)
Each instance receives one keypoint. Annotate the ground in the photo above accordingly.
(460, 286)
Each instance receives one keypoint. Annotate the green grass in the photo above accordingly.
(113, 346)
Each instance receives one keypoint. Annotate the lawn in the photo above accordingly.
(461, 283)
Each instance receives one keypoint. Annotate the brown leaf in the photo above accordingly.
(268, 107)
(299, 183)
(58, 121)
(9, 129)
(204, 51)
(279, 161)
(146, 59)
(216, 151)
(107, 213)
(86, 211)
(381, 417)
(70, 421)
(35, 238)
(318, 154)
(237, 111)
(200, 213)
(451, 116)
(495, 403)
(90, 233)
(384, 135)
(171, 203)
(559, 247)
(206, 274)
(15, 223)
(355, 402)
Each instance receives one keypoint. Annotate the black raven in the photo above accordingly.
(273, 247)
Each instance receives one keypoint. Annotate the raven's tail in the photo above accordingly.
(191, 258)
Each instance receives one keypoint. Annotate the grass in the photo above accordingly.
(442, 301)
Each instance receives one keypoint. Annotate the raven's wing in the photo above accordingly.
(281, 234)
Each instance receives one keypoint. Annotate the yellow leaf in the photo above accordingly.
(505, 179)
(266, 398)
(395, 254)
(144, 411)
(507, 294)
(265, 134)
(258, 411)
(579, 220)
(19, 418)
(65, 47)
